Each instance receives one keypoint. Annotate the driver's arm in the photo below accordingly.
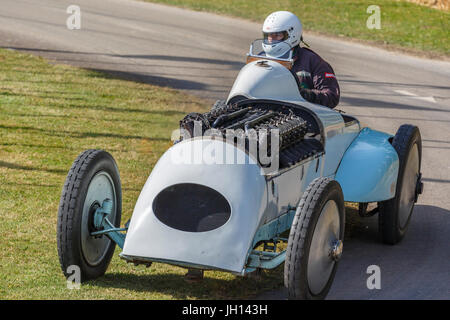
(325, 89)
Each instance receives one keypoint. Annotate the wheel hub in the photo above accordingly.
(100, 188)
(336, 250)
(326, 233)
(92, 209)
(419, 187)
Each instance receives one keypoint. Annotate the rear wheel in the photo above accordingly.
(93, 178)
(395, 214)
(315, 241)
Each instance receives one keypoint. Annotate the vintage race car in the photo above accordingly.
(221, 203)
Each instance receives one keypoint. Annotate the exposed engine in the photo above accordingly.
(257, 122)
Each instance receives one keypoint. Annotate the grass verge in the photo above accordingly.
(405, 26)
(48, 115)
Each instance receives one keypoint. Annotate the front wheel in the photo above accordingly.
(315, 241)
(93, 178)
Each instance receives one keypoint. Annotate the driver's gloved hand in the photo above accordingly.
(308, 94)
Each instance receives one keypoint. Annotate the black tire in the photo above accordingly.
(321, 192)
(74, 247)
(392, 222)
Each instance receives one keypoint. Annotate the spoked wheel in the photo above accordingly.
(92, 179)
(395, 213)
(315, 241)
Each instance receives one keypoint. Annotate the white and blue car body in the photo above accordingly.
(249, 207)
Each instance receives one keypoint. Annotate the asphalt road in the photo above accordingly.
(202, 53)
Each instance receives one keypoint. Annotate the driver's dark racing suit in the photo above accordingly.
(317, 81)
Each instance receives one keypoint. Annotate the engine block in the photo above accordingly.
(257, 121)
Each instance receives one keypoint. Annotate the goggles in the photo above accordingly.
(275, 37)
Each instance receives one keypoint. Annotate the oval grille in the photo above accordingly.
(191, 207)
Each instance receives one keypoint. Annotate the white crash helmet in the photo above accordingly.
(287, 23)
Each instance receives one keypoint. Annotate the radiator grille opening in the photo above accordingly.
(191, 207)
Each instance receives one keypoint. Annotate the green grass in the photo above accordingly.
(48, 115)
(405, 25)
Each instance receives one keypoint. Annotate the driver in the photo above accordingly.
(282, 32)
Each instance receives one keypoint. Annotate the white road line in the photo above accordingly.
(415, 96)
